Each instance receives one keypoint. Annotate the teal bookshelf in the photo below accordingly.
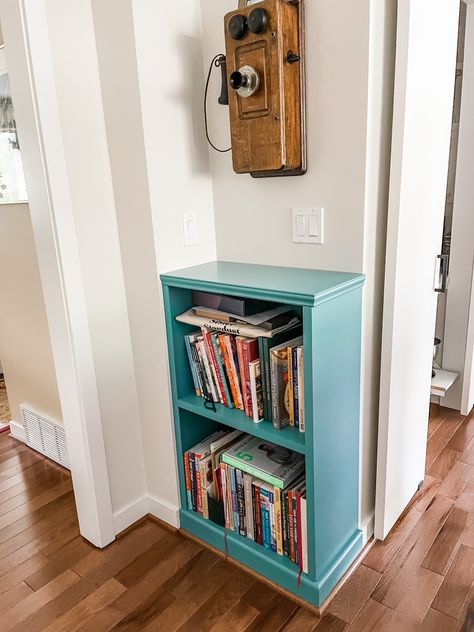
(330, 305)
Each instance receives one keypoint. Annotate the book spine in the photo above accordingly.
(291, 527)
(235, 505)
(300, 352)
(243, 384)
(234, 363)
(263, 373)
(284, 523)
(228, 368)
(249, 514)
(204, 502)
(256, 390)
(229, 497)
(221, 374)
(192, 366)
(248, 388)
(198, 368)
(304, 534)
(192, 471)
(295, 526)
(278, 521)
(211, 355)
(197, 458)
(258, 515)
(264, 476)
(273, 522)
(211, 387)
(265, 513)
(294, 363)
(241, 502)
(291, 403)
(187, 479)
(223, 479)
(279, 421)
(299, 541)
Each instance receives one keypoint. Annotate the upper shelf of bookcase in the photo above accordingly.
(295, 286)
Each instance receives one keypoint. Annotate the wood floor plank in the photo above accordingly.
(35, 600)
(147, 590)
(457, 584)
(218, 604)
(444, 463)
(463, 435)
(274, 616)
(444, 548)
(457, 479)
(330, 623)
(437, 415)
(303, 621)
(437, 622)
(355, 592)
(373, 616)
(246, 609)
(400, 572)
(14, 596)
(80, 614)
(466, 499)
(414, 605)
(465, 623)
(21, 572)
(439, 439)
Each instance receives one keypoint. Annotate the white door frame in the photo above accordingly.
(28, 55)
(422, 114)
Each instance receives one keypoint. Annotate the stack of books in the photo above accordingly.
(261, 486)
(254, 363)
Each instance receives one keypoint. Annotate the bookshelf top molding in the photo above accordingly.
(295, 286)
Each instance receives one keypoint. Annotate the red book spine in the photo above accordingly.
(249, 353)
(258, 515)
(291, 525)
(198, 483)
(187, 473)
(228, 368)
(212, 356)
(243, 383)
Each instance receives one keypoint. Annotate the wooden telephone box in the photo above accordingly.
(265, 65)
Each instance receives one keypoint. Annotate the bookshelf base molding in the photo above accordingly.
(279, 571)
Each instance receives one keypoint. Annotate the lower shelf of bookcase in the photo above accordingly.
(276, 568)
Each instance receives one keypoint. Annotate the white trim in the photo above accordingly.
(368, 528)
(163, 510)
(127, 516)
(17, 431)
(146, 504)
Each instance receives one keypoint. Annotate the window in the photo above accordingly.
(12, 179)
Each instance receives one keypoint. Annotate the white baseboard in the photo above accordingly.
(163, 510)
(17, 431)
(146, 504)
(368, 528)
(128, 515)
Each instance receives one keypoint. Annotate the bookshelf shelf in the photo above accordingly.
(330, 307)
(289, 437)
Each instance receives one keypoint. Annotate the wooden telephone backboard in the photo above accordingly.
(268, 128)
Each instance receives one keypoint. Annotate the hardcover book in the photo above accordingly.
(269, 462)
(281, 387)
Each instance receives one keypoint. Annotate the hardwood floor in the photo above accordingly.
(420, 578)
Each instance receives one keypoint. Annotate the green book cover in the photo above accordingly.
(269, 462)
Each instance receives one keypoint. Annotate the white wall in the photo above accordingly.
(348, 63)
(25, 345)
(170, 75)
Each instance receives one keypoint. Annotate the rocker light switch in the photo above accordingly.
(308, 225)
(190, 229)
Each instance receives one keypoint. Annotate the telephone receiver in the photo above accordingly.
(263, 83)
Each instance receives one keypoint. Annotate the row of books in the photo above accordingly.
(262, 376)
(260, 486)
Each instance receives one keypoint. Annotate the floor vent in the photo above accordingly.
(45, 436)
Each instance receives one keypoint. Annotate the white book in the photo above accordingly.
(256, 391)
(249, 506)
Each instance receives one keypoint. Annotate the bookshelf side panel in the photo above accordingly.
(335, 406)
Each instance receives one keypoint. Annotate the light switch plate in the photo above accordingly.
(190, 229)
(308, 225)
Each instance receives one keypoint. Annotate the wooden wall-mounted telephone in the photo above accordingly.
(265, 59)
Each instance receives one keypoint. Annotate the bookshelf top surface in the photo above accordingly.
(290, 285)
